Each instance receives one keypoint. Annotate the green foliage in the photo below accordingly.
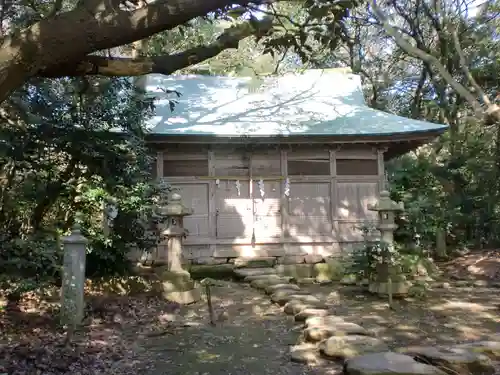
(36, 257)
(75, 145)
(360, 262)
(457, 191)
(363, 259)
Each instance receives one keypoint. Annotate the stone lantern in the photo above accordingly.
(387, 209)
(176, 282)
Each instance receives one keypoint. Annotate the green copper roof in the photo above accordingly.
(313, 102)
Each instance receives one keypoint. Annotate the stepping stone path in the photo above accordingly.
(326, 337)
(456, 361)
(350, 346)
(388, 363)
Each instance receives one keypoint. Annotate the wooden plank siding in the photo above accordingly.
(330, 189)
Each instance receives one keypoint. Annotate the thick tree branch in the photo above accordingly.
(167, 64)
(466, 71)
(70, 36)
(427, 58)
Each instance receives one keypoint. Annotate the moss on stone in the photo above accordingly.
(214, 271)
(331, 270)
(297, 271)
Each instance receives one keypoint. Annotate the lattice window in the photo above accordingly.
(234, 164)
(357, 167)
(266, 164)
(309, 167)
(185, 168)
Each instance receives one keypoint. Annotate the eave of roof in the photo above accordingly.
(313, 103)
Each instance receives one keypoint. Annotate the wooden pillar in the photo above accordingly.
(285, 228)
(381, 169)
(159, 165)
(333, 186)
(211, 202)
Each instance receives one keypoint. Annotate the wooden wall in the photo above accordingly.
(329, 193)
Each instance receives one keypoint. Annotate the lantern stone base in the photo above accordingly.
(399, 288)
(178, 287)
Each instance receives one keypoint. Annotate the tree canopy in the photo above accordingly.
(63, 38)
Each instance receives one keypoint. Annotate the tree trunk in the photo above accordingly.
(69, 37)
(441, 244)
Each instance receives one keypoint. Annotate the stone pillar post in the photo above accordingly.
(386, 209)
(73, 282)
(176, 285)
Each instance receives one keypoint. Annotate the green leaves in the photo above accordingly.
(73, 159)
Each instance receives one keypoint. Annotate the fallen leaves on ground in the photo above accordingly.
(32, 342)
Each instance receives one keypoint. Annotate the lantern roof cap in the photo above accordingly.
(175, 207)
(385, 203)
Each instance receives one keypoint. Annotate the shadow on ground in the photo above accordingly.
(144, 335)
(444, 316)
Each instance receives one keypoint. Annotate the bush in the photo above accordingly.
(37, 257)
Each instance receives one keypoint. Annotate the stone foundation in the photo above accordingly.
(325, 270)
(177, 286)
(315, 267)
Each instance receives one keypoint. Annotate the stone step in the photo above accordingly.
(249, 279)
(270, 289)
(388, 363)
(350, 346)
(340, 328)
(305, 353)
(295, 307)
(298, 295)
(265, 282)
(260, 262)
(452, 360)
(311, 312)
(241, 273)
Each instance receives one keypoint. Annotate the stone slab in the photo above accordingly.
(488, 348)
(280, 296)
(291, 259)
(452, 360)
(265, 282)
(322, 332)
(306, 281)
(260, 262)
(304, 353)
(294, 307)
(323, 321)
(270, 289)
(388, 363)
(249, 279)
(283, 298)
(310, 312)
(244, 272)
(208, 261)
(350, 346)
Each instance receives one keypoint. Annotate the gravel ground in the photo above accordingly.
(254, 339)
(442, 317)
(140, 335)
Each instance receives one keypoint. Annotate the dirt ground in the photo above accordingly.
(479, 264)
(151, 337)
(443, 316)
